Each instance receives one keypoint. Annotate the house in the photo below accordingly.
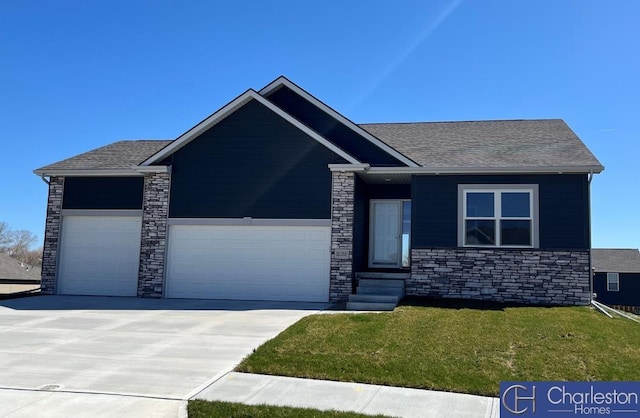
(276, 196)
(616, 277)
(15, 276)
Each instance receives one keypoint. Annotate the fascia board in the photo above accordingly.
(488, 170)
(88, 173)
(283, 81)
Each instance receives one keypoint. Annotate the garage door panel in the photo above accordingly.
(99, 255)
(248, 262)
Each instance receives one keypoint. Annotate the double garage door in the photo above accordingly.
(289, 263)
(99, 255)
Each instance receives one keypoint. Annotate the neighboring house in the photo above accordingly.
(276, 196)
(616, 276)
(13, 270)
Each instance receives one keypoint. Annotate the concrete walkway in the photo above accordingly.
(357, 397)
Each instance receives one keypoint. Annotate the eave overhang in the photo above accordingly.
(118, 172)
(402, 175)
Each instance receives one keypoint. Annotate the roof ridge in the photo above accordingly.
(462, 121)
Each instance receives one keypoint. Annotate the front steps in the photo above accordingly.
(377, 291)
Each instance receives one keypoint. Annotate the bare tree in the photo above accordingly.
(5, 236)
(33, 258)
(21, 242)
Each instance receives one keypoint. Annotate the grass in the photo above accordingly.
(206, 409)
(459, 349)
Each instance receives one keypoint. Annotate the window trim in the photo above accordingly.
(493, 188)
(617, 282)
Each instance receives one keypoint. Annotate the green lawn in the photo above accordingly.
(459, 349)
(205, 409)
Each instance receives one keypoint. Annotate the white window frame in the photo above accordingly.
(497, 190)
(616, 280)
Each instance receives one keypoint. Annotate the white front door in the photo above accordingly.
(385, 243)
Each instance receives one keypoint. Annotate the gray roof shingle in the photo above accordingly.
(614, 260)
(480, 144)
(10, 268)
(487, 144)
(119, 155)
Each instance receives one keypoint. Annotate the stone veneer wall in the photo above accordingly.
(155, 212)
(520, 276)
(342, 211)
(52, 235)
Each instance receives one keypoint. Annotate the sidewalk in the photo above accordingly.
(367, 399)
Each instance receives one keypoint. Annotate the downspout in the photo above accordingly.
(44, 179)
(591, 272)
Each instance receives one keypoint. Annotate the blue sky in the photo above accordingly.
(76, 75)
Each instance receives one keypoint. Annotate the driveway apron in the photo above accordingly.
(60, 355)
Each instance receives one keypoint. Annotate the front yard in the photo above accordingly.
(205, 409)
(455, 348)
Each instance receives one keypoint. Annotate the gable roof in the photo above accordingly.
(615, 260)
(282, 81)
(545, 143)
(228, 109)
(508, 146)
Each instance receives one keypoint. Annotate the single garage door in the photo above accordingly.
(99, 255)
(287, 263)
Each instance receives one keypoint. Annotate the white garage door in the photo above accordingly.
(99, 255)
(288, 263)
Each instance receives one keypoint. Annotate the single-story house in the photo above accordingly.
(276, 196)
(616, 276)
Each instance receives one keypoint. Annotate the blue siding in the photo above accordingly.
(103, 193)
(336, 132)
(628, 295)
(563, 199)
(252, 164)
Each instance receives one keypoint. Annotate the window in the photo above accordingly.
(498, 215)
(613, 282)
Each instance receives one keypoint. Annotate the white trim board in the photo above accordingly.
(228, 109)
(101, 212)
(283, 81)
(249, 222)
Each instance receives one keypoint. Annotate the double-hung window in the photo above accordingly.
(498, 216)
(613, 282)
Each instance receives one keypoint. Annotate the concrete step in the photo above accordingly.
(379, 290)
(375, 275)
(381, 283)
(370, 306)
(374, 298)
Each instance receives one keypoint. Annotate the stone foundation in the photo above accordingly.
(52, 235)
(155, 212)
(501, 275)
(342, 211)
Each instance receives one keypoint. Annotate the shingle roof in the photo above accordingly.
(10, 268)
(616, 260)
(504, 143)
(119, 155)
(480, 144)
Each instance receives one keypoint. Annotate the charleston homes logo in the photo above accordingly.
(569, 399)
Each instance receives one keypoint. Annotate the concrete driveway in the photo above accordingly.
(103, 356)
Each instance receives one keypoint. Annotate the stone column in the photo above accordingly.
(52, 236)
(342, 212)
(155, 213)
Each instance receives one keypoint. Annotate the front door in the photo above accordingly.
(388, 240)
